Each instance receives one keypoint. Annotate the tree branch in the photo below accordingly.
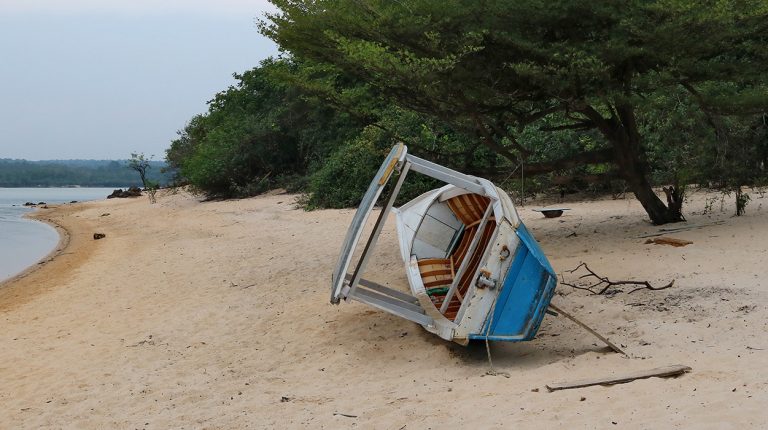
(708, 113)
(502, 132)
(606, 126)
(603, 283)
(531, 117)
(490, 141)
(540, 168)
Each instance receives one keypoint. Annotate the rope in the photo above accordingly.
(522, 184)
(491, 371)
(522, 180)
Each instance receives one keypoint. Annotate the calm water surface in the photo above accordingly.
(24, 242)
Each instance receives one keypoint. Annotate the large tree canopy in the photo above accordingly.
(497, 66)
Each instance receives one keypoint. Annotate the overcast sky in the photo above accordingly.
(103, 78)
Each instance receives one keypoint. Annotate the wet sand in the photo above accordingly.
(216, 315)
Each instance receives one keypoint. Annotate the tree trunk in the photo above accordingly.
(623, 134)
(628, 156)
(631, 169)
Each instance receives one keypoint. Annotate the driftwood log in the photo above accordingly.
(667, 371)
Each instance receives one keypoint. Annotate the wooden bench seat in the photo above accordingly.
(438, 273)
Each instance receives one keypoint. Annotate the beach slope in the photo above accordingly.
(215, 315)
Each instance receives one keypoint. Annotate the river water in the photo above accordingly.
(24, 242)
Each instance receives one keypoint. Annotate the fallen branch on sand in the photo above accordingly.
(344, 415)
(604, 283)
(667, 371)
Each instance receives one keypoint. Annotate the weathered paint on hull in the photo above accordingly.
(512, 312)
(525, 295)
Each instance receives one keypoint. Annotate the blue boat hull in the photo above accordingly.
(524, 297)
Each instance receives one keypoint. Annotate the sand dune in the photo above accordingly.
(215, 315)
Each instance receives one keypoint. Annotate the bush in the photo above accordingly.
(344, 176)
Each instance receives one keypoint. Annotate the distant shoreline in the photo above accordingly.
(76, 173)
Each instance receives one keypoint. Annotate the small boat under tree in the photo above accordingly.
(474, 270)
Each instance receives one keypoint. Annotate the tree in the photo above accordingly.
(140, 164)
(498, 67)
(260, 133)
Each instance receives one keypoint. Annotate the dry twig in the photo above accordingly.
(604, 283)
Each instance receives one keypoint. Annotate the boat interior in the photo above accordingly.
(443, 241)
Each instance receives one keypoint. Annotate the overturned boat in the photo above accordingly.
(474, 270)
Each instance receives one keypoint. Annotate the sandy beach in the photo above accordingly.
(193, 314)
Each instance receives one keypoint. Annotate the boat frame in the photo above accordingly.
(525, 297)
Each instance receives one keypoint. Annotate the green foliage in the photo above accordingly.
(742, 199)
(151, 187)
(303, 126)
(652, 92)
(508, 59)
(676, 134)
(499, 67)
(256, 135)
(341, 179)
(344, 176)
(694, 146)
